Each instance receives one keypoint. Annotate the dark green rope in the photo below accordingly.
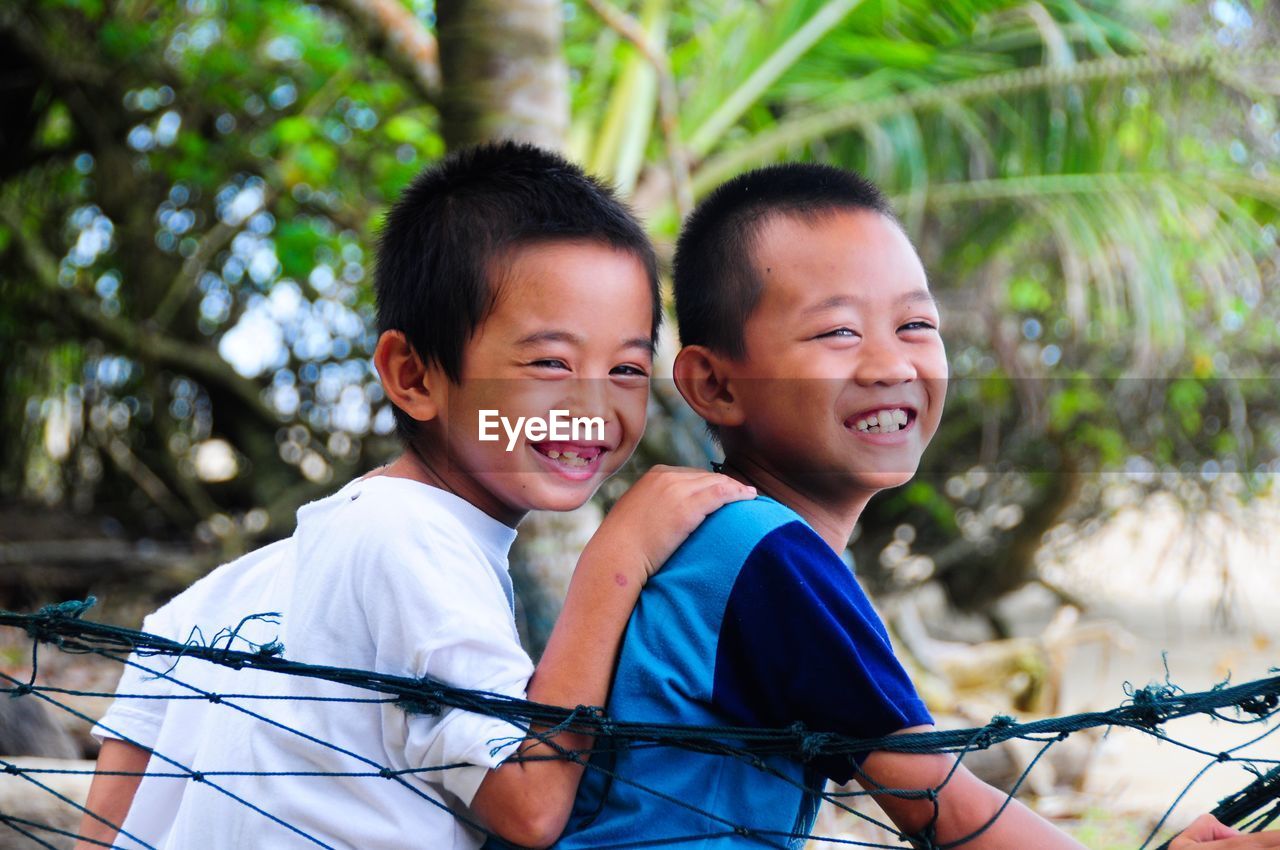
(1147, 710)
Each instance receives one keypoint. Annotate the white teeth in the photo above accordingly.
(884, 421)
(569, 457)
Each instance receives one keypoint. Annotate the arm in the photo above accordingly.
(793, 595)
(111, 795)
(528, 802)
(967, 804)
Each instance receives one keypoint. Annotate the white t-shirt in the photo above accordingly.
(386, 575)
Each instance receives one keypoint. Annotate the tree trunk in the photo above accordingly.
(505, 78)
(504, 74)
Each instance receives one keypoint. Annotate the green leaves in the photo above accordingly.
(1027, 295)
(1092, 197)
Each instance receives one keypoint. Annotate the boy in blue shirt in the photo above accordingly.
(812, 351)
(509, 284)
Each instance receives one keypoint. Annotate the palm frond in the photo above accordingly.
(797, 131)
(709, 132)
(1111, 234)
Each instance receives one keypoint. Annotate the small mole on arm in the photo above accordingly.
(620, 579)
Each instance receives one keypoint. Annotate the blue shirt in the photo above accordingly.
(754, 621)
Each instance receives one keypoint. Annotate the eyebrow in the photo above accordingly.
(538, 337)
(549, 336)
(912, 297)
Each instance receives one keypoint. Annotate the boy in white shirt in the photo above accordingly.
(509, 285)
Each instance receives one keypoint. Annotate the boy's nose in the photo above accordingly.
(880, 363)
(589, 397)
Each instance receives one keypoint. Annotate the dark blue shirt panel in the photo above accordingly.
(801, 642)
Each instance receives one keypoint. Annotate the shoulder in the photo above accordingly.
(755, 529)
(390, 541)
(753, 517)
(381, 508)
(384, 520)
(740, 537)
(736, 529)
(219, 597)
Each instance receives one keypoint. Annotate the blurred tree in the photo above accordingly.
(189, 192)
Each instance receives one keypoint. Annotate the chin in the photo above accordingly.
(885, 480)
(563, 498)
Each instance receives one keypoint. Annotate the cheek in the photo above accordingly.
(935, 366)
(529, 397)
(937, 403)
(632, 409)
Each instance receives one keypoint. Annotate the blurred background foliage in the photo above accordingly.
(190, 195)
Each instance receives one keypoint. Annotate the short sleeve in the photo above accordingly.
(138, 711)
(801, 642)
(441, 612)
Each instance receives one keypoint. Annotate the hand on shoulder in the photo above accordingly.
(661, 510)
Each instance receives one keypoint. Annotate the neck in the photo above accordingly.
(832, 516)
(421, 464)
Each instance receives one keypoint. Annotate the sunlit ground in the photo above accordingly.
(1208, 598)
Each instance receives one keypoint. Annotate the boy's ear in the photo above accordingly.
(406, 380)
(703, 379)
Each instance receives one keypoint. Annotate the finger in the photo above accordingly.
(1209, 828)
(718, 494)
(710, 479)
(1252, 841)
(678, 478)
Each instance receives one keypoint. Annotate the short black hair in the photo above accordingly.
(717, 284)
(435, 278)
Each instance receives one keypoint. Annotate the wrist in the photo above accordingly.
(618, 564)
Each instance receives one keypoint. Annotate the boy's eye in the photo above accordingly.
(839, 332)
(629, 370)
(550, 363)
(919, 325)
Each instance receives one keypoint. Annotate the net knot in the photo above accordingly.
(387, 773)
(745, 832)
(422, 704)
(1145, 703)
(12, 768)
(1260, 705)
(987, 735)
(21, 690)
(604, 722)
(1224, 757)
(72, 609)
(197, 776)
(216, 699)
(271, 650)
(808, 744)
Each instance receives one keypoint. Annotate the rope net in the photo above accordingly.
(1253, 704)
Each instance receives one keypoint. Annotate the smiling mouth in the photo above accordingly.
(885, 420)
(572, 459)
